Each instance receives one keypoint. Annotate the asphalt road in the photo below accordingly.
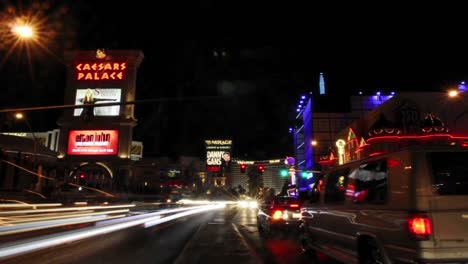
(202, 238)
(159, 244)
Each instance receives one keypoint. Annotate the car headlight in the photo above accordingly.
(244, 204)
(253, 204)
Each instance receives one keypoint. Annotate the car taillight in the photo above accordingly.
(420, 227)
(278, 214)
(294, 205)
(321, 183)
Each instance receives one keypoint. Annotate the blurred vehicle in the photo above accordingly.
(173, 197)
(281, 214)
(408, 206)
(160, 198)
(247, 203)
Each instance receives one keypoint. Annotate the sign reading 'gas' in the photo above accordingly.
(101, 71)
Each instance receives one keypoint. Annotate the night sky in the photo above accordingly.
(237, 69)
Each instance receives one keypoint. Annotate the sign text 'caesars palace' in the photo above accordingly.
(101, 71)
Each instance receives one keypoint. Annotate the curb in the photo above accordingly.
(180, 258)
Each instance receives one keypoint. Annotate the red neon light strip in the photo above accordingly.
(416, 137)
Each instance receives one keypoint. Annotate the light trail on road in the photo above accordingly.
(72, 220)
(80, 208)
(20, 204)
(103, 227)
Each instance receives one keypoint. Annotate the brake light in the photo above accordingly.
(294, 205)
(361, 196)
(321, 183)
(278, 214)
(420, 226)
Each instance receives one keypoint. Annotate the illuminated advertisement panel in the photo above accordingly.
(93, 142)
(92, 97)
(218, 155)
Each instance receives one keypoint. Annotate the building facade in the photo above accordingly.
(409, 113)
(26, 164)
(96, 139)
(317, 124)
(270, 173)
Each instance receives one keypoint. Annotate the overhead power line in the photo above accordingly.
(153, 100)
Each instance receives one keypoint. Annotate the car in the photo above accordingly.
(281, 214)
(403, 206)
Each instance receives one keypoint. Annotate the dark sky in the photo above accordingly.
(273, 55)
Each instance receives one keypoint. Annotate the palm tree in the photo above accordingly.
(255, 180)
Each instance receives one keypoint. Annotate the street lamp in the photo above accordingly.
(20, 116)
(23, 31)
(25, 34)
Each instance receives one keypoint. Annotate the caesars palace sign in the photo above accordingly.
(95, 71)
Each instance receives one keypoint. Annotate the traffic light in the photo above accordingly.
(284, 172)
(261, 168)
(243, 167)
(307, 174)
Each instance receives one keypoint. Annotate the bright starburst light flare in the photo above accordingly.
(27, 32)
(23, 31)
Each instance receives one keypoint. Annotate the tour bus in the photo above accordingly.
(408, 206)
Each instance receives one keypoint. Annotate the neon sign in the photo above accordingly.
(218, 142)
(93, 142)
(341, 150)
(214, 157)
(101, 71)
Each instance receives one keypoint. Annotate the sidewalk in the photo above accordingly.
(217, 243)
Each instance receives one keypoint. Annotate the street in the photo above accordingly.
(227, 235)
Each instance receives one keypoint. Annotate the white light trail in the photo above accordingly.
(54, 223)
(135, 217)
(29, 205)
(189, 201)
(49, 223)
(81, 208)
(35, 217)
(178, 215)
(23, 247)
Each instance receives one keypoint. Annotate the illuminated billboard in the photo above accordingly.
(92, 97)
(101, 71)
(218, 155)
(93, 142)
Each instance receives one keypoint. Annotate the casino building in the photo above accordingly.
(96, 141)
(316, 133)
